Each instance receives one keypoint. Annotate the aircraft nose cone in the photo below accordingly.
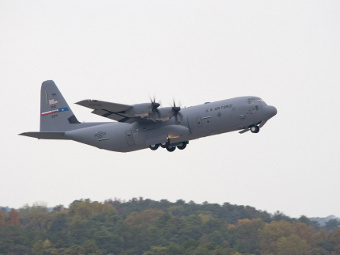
(271, 111)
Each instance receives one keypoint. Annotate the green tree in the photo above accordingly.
(156, 250)
(175, 249)
(35, 217)
(332, 224)
(143, 218)
(334, 238)
(304, 231)
(90, 247)
(305, 220)
(247, 235)
(280, 216)
(15, 239)
(75, 250)
(271, 232)
(82, 209)
(292, 245)
(318, 251)
(322, 240)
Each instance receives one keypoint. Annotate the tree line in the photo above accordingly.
(147, 227)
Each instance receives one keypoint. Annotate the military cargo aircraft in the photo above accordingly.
(147, 125)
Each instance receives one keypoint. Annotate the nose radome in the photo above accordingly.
(272, 111)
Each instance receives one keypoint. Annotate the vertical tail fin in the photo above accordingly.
(55, 114)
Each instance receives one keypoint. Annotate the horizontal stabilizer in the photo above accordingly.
(46, 135)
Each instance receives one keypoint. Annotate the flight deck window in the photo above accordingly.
(254, 100)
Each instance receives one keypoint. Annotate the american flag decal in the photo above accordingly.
(52, 101)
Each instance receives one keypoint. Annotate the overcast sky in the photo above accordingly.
(286, 52)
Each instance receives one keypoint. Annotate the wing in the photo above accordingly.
(132, 113)
(109, 110)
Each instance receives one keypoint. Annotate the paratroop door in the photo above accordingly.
(129, 138)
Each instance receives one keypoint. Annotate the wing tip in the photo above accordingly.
(85, 102)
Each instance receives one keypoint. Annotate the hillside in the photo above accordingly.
(148, 227)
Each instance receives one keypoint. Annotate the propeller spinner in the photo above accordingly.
(154, 105)
(176, 111)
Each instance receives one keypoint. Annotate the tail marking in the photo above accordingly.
(55, 111)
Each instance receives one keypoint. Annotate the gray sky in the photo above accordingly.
(286, 52)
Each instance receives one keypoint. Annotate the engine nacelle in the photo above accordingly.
(141, 110)
(162, 114)
(152, 112)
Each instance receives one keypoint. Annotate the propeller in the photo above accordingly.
(154, 105)
(176, 111)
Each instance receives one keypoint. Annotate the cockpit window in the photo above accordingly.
(254, 100)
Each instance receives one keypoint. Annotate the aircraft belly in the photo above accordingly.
(161, 135)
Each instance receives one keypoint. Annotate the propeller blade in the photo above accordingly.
(176, 111)
(180, 116)
(154, 105)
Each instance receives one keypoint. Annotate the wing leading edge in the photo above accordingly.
(109, 110)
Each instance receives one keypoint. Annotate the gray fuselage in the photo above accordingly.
(196, 121)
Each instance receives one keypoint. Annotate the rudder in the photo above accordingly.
(55, 114)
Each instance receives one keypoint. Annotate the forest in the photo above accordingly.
(147, 227)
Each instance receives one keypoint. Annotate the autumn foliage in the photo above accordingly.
(147, 227)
